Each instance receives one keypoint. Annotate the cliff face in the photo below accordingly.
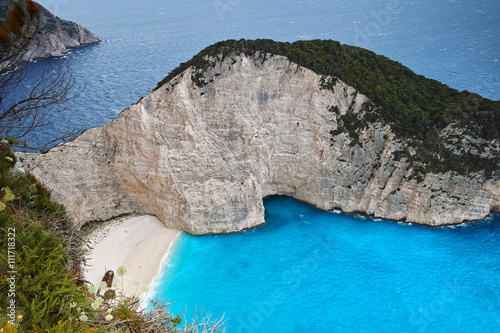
(56, 35)
(202, 156)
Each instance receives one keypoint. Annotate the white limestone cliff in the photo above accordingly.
(202, 158)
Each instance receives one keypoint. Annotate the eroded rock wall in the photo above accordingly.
(203, 150)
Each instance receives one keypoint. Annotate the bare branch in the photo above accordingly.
(38, 108)
(204, 324)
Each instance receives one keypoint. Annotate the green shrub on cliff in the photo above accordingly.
(411, 103)
(39, 260)
(40, 270)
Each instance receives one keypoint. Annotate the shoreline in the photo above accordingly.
(140, 244)
(338, 210)
(147, 295)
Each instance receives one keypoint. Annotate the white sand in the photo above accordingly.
(137, 243)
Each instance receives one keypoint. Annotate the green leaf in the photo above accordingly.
(12, 141)
(9, 196)
(2, 206)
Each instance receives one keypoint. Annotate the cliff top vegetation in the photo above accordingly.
(411, 103)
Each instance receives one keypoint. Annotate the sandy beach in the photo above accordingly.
(137, 243)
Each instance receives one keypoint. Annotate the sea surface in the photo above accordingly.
(306, 270)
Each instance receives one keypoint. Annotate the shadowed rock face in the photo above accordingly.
(202, 156)
(56, 35)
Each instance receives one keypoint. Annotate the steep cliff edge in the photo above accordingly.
(56, 35)
(215, 138)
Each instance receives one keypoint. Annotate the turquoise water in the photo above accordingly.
(308, 270)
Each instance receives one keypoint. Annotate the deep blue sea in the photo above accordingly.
(306, 270)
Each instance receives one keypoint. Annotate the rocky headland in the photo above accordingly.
(247, 119)
(56, 35)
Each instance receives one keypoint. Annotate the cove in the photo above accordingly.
(311, 270)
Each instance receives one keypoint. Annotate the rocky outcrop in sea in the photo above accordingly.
(203, 150)
(56, 35)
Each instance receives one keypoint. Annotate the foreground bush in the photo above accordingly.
(41, 264)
